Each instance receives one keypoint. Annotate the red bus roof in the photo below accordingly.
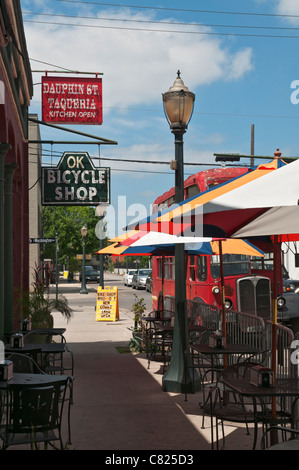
(204, 179)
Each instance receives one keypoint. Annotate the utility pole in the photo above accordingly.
(252, 145)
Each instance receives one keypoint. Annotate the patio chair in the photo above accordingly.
(158, 341)
(55, 362)
(225, 405)
(287, 438)
(23, 363)
(33, 413)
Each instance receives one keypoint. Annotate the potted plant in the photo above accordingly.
(138, 309)
(137, 342)
(38, 305)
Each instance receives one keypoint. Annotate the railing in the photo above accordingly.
(249, 329)
(203, 314)
(245, 328)
(284, 338)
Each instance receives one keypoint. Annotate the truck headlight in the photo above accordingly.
(281, 302)
(228, 304)
(215, 290)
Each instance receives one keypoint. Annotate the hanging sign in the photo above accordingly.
(107, 308)
(72, 100)
(75, 181)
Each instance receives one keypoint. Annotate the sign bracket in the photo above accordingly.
(98, 140)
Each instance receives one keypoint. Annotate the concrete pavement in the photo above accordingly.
(119, 403)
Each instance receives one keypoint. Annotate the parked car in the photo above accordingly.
(128, 277)
(139, 278)
(291, 285)
(149, 283)
(91, 274)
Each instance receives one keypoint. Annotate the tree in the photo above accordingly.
(67, 222)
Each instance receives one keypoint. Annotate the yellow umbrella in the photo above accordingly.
(114, 249)
(236, 247)
(123, 237)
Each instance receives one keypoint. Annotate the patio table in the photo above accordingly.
(284, 387)
(213, 363)
(31, 379)
(231, 349)
(35, 348)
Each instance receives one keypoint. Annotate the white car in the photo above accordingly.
(128, 277)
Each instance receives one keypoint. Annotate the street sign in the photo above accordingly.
(72, 100)
(107, 308)
(42, 240)
(75, 181)
(81, 257)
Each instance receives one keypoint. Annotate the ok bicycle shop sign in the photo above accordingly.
(72, 100)
(76, 181)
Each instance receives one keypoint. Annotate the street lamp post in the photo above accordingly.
(83, 284)
(178, 106)
(101, 212)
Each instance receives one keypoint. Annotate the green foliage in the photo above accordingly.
(138, 309)
(39, 305)
(67, 222)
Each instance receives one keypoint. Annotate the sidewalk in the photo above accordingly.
(119, 403)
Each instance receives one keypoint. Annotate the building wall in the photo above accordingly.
(16, 91)
(35, 195)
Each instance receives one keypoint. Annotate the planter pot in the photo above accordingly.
(41, 321)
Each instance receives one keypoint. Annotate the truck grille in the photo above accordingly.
(254, 296)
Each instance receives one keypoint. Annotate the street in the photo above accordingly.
(126, 295)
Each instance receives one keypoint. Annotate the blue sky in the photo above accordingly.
(231, 54)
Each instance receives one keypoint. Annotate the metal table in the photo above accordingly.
(33, 349)
(31, 379)
(230, 349)
(286, 387)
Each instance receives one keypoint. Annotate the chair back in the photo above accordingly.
(43, 335)
(34, 409)
(23, 363)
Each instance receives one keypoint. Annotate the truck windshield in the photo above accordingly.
(233, 265)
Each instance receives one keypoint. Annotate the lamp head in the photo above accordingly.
(83, 231)
(178, 104)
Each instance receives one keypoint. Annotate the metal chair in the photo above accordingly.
(23, 363)
(55, 362)
(158, 341)
(286, 438)
(33, 413)
(228, 406)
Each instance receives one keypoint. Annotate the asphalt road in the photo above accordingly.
(126, 295)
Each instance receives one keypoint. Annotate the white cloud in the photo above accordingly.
(288, 7)
(138, 66)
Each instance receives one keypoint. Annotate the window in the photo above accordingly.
(159, 268)
(262, 263)
(201, 268)
(192, 268)
(233, 265)
(169, 268)
(171, 200)
(172, 267)
(192, 191)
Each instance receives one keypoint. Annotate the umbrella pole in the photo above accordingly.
(273, 434)
(163, 274)
(222, 298)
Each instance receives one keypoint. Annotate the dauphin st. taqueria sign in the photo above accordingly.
(75, 181)
(72, 100)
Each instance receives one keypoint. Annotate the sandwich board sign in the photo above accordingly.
(75, 181)
(107, 308)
